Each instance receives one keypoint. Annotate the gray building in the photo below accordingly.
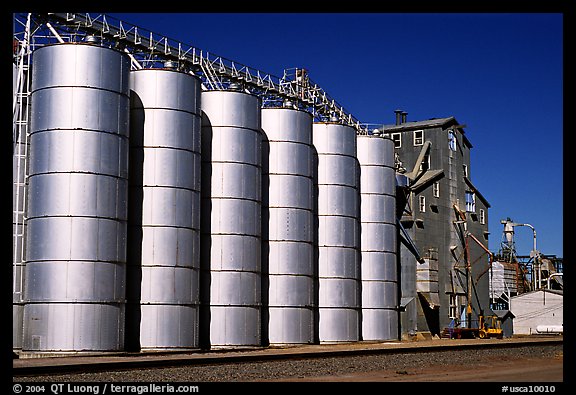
(447, 219)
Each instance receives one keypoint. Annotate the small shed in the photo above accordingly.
(507, 321)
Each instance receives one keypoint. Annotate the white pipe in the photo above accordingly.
(54, 32)
(538, 274)
(536, 260)
(133, 59)
(553, 275)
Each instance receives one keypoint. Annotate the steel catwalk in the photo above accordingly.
(231, 219)
(378, 238)
(288, 236)
(338, 233)
(164, 210)
(77, 200)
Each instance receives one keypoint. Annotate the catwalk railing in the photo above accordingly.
(148, 49)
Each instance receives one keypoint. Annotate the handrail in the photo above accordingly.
(148, 49)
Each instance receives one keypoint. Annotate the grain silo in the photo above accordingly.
(77, 211)
(378, 238)
(288, 251)
(164, 210)
(231, 219)
(338, 233)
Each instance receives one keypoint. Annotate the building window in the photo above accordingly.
(422, 203)
(482, 217)
(453, 307)
(451, 140)
(418, 137)
(397, 138)
(470, 202)
(465, 168)
(436, 189)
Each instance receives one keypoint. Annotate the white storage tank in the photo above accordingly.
(77, 200)
(288, 204)
(378, 238)
(339, 289)
(231, 219)
(164, 210)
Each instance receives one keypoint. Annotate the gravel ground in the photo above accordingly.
(291, 369)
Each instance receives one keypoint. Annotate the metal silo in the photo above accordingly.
(231, 219)
(338, 233)
(378, 238)
(164, 210)
(288, 251)
(77, 211)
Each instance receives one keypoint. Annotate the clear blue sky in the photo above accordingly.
(500, 74)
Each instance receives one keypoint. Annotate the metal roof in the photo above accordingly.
(429, 123)
(502, 314)
(558, 292)
(417, 124)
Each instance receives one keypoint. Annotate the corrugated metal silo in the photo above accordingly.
(231, 219)
(77, 211)
(288, 251)
(164, 210)
(378, 238)
(338, 233)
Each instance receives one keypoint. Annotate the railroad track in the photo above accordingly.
(183, 364)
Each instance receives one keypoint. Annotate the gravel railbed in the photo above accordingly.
(302, 368)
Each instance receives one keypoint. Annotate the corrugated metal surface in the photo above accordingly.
(288, 216)
(231, 218)
(503, 279)
(531, 309)
(164, 249)
(76, 241)
(378, 238)
(338, 232)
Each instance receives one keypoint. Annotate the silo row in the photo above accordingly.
(214, 230)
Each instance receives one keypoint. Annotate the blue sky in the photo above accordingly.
(500, 74)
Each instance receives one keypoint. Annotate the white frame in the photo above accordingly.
(436, 189)
(418, 140)
(396, 138)
(452, 140)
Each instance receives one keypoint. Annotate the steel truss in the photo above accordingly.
(148, 49)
